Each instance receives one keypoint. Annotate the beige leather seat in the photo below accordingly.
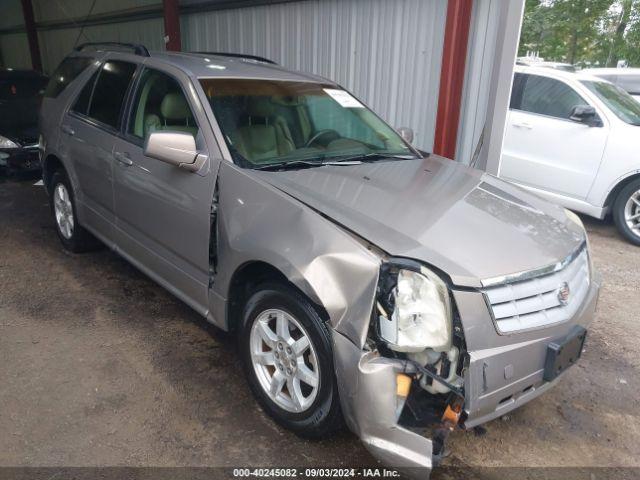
(265, 136)
(176, 114)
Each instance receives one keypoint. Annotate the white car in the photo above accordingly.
(575, 140)
(626, 78)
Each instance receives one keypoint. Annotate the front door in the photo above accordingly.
(162, 211)
(543, 148)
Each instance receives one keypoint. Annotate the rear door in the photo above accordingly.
(88, 132)
(543, 148)
(163, 212)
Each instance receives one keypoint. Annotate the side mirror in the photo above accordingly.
(174, 148)
(585, 114)
(406, 133)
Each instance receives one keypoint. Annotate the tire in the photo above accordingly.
(627, 205)
(315, 411)
(73, 236)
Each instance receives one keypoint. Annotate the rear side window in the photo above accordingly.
(81, 104)
(110, 92)
(66, 72)
(547, 96)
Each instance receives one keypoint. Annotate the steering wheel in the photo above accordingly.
(320, 134)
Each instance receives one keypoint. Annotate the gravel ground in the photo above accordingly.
(99, 366)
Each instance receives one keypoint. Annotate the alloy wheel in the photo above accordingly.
(284, 360)
(63, 210)
(632, 213)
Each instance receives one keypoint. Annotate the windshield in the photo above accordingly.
(620, 102)
(268, 122)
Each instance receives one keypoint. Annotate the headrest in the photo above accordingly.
(260, 107)
(175, 107)
(288, 100)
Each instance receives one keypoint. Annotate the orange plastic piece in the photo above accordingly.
(452, 415)
(403, 385)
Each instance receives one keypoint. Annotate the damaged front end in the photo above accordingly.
(404, 392)
(438, 357)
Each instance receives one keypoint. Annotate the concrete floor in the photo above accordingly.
(100, 366)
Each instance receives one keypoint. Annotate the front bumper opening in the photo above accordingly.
(404, 433)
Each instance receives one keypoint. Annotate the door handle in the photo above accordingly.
(68, 130)
(525, 125)
(123, 158)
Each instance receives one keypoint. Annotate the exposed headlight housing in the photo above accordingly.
(6, 143)
(415, 310)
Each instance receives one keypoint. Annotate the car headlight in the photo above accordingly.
(6, 143)
(415, 311)
(578, 221)
(574, 218)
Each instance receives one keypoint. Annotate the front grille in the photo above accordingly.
(535, 302)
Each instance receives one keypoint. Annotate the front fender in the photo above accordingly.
(336, 269)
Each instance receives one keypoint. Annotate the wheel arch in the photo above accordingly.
(613, 194)
(51, 165)
(248, 276)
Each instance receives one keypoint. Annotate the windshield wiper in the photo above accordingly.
(363, 157)
(297, 164)
(337, 160)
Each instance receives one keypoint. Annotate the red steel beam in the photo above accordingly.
(454, 56)
(32, 34)
(172, 25)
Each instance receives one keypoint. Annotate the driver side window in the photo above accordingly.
(546, 96)
(160, 104)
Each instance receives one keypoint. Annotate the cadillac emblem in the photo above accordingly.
(564, 292)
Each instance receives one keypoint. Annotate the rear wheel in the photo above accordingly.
(72, 235)
(287, 357)
(626, 212)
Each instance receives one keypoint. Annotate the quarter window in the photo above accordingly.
(81, 104)
(160, 104)
(66, 72)
(547, 96)
(110, 92)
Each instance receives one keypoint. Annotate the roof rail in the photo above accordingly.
(238, 55)
(137, 48)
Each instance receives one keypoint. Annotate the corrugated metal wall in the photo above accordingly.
(55, 44)
(387, 53)
(14, 48)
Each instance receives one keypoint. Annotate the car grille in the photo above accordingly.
(536, 301)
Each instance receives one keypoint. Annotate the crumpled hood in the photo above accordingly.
(470, 225)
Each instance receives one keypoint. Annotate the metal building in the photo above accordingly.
(441, 67)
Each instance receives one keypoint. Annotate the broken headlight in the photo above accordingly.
(415, 309)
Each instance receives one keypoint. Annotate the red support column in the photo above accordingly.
(454, 56)
(32, 34)
(172, 25)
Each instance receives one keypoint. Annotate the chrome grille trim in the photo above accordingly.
(528, 274)
(533, 301)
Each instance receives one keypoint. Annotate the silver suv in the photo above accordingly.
(402, 293)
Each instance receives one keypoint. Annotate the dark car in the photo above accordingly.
(20, 96)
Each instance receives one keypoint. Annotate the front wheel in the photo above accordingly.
(626, 212)
(287, 357)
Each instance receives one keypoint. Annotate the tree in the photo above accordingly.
(582, 31)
